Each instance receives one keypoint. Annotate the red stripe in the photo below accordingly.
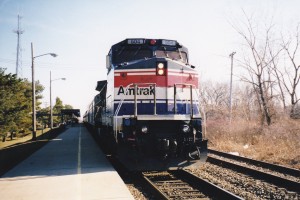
(161, 81)
(134, 70)
(126, 80)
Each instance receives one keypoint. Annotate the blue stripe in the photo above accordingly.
(148, 108)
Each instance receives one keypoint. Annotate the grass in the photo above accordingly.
(278, 143)
(21, 138)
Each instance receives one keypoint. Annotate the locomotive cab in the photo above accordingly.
(150, 106)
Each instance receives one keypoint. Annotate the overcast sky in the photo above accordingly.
(82, 32)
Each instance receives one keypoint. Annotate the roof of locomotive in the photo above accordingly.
(156, 43)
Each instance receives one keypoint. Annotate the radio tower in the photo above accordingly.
(19, 51)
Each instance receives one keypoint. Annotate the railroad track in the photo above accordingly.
(219, 178)
(278, 175)
(180, 184)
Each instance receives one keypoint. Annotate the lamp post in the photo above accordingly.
(51, 110)
(33, 90)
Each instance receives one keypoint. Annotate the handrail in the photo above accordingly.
(200, 108)
(192, 109)
(191, 97)
(135, 103)
(121, 102)
(135, 97)
(135, 100)
(203, 115)
(191, 87)
(117, 112)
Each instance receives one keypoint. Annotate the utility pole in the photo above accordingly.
(33, 97)
(51, 111)
(19, 51)
(230, 98)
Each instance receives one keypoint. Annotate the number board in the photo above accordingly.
(169, 42)
(135, 41)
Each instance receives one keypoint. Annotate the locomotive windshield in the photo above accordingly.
(174, 55)
(137, 49)
(130, 53)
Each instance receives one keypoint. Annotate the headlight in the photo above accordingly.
(185, 128)
(160, 65)
(161, 69)
(144, 129)
(160, 72)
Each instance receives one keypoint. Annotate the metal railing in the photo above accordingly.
(135, 103)
(135, 97)
(135, 113)
(192, 87)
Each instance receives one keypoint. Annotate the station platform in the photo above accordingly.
(70, 166)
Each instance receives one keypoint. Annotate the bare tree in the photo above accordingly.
(245, 106)
(278, 75)
(214, 98)
(257, 62)
(291, 77)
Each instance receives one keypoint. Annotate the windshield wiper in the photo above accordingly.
(121, 51)
(180, 56)
(137, 51)
(165, 51)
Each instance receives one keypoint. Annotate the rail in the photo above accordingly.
(274, 167)
(180, 184)
(266, 176)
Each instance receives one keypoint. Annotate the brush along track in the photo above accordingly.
(278, 175)
(180, 184)
(275, 168)
(242, 185)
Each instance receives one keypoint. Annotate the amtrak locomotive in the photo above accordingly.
(147, 112)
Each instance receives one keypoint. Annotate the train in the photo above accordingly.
(147, 113)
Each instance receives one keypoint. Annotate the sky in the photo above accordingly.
(81, 33)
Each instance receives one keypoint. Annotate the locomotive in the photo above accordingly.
(147, 113)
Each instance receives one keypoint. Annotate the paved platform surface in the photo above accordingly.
(69, 167)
